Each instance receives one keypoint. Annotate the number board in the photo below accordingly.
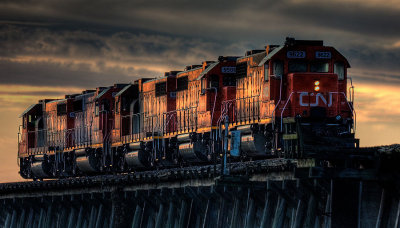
(323, 55)
(228, 70)
(296, 54)
(172, 94)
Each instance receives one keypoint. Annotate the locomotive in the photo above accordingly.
(291, 100)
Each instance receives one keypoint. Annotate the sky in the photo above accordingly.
(51, 48)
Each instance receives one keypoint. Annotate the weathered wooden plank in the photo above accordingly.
(171, 215)
(160, 216)
(183, 214)
(268, 212)
(137, 217)
(250, 215)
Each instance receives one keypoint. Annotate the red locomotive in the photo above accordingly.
(282, 101)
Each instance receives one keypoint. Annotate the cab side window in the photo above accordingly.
(96, 109)
(278, 68)
(339, 70)
(266, 71)
(214, 81)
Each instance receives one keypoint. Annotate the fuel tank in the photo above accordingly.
(40, 169)
(193, 151)
(86, 164)
(137, 159)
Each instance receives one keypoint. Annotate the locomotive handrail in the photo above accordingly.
(215, 101)
(284, 107)
(353, 111)
(170, 114)
(351, 90)
(277, 104)
(59, 139)
(241, 98)
(226, 104)
(169, 118)
(223, 111)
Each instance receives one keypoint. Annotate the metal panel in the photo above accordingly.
(253, 144)
(235, 143)
(193, 152)
(137, 158)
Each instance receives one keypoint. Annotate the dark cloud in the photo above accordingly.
(353, 17)
(35, 55)
(212, 18)
(84, 43)
(120, 46)
(57, 74)
(51, 93)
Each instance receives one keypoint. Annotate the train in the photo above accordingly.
(293, 100)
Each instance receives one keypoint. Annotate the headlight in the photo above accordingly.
(316, 83)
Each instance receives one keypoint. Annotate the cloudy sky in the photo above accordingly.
(50, 48)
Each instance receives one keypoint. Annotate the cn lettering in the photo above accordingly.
(318, 97)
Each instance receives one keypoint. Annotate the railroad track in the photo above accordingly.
(154, 176)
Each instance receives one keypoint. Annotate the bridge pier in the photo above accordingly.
(287, 203)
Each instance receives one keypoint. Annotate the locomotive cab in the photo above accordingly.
(202, 91)
(30, 137)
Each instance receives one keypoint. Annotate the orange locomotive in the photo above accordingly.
(283, 101)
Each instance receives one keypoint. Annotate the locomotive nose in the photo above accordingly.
(312, 93)
(312, 82)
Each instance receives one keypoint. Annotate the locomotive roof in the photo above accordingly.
(193, 69)
(29, 109)
(249, 56)
(102, 93)
(278, 49)
(270, 55)
(155, 79)
(81, 96)
(57, 100)
(210, 67)
(123, 90)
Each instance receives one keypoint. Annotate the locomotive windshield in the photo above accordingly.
(319, 67)
(297, 66)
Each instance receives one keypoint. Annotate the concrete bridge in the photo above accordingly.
(362, 192)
